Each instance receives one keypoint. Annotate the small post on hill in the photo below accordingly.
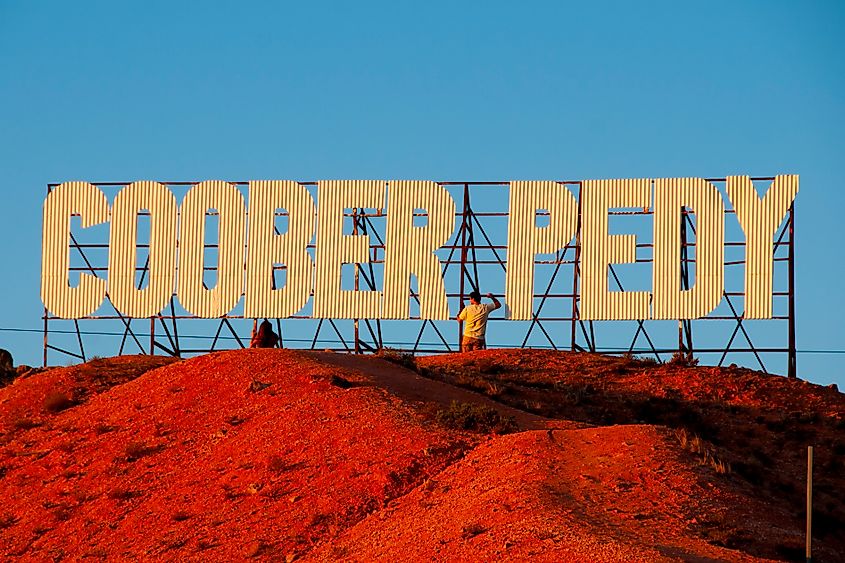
(809, 504)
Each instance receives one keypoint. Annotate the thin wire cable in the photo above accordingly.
(395, 342)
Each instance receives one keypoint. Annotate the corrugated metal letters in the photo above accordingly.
(251, 246)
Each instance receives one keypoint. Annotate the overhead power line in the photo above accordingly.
(395, 343)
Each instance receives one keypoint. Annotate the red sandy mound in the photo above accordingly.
(283, 455)
(34, 398)
(215, 457)
(623, 493)
(753, 426)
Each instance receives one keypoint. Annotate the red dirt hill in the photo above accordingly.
(284, 455)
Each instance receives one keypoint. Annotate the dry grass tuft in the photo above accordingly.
(495, 388)
(533, 405)
(693, 443)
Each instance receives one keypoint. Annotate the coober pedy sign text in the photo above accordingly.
(250, 246)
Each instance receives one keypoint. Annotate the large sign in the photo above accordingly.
(250, 245)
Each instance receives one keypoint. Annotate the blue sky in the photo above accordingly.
(445, 91)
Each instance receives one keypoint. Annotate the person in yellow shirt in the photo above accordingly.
(474, 317)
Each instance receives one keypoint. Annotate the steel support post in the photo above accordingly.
(576, 271)
(44, 360)
(463, 272)
(792, 370)
(46, 314)
(684, 275)
(357, 347)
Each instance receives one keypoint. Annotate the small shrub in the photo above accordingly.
(67, 447)
(181, 516)
(491, 368)
(339, 552)
(682, 359)
(646, 361)
(341, 382)
(471, 381)
(24, 423)
(256, 548)
(122, 493)
(139, 449)
(790, 551)
(257, 386)
(480, 418)
(57, 401)
(8, 520)
(400, 357)
(777, 424)
(104, 428)
(174, 542)
(160, 430)
(276, 463)
(574, 395)
(472, 529)
(318, 519)
(230, 492)
(63, 513)
(81, 496)
(808, 417)
(723, 534)
(828, 524)
(275, 492)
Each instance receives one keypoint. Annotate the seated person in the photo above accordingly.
(264, 337)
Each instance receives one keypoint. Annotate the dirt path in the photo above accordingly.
(413, 388)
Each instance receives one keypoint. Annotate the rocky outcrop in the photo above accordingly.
(7, 368)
